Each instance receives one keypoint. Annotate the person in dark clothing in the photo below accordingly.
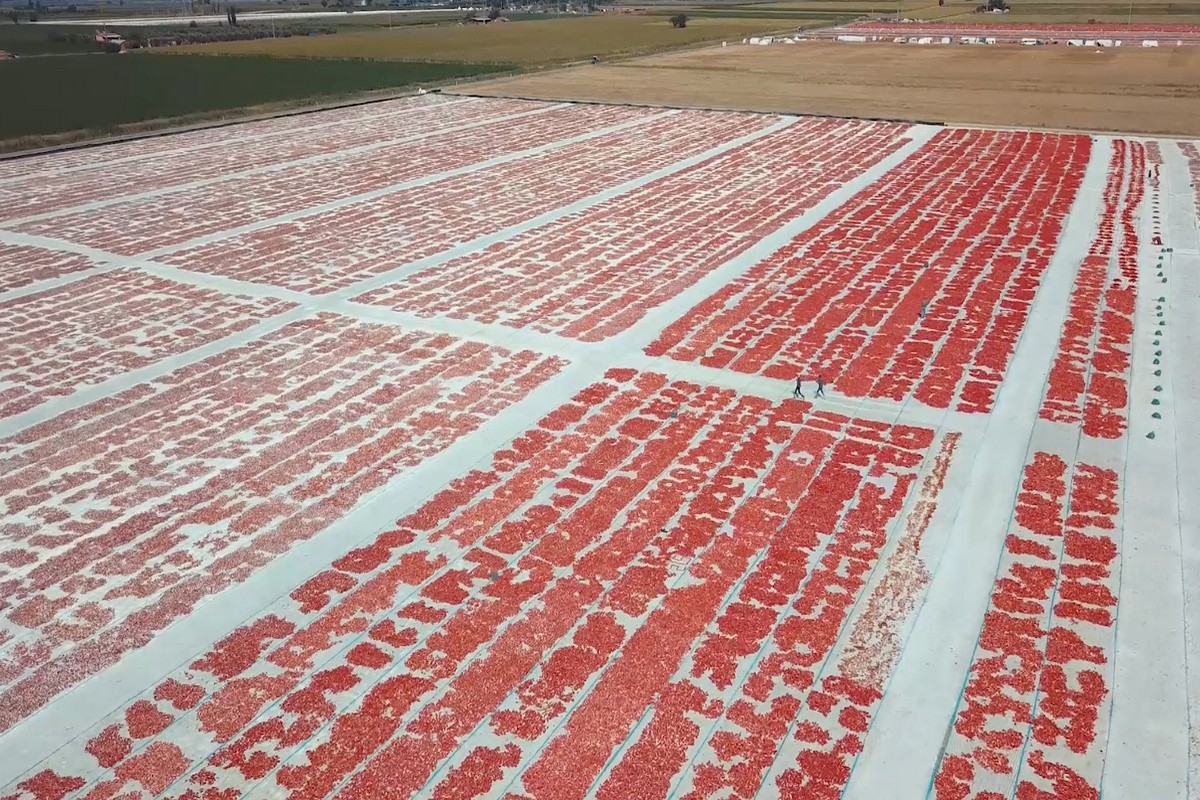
(798, 392)
(820, 387)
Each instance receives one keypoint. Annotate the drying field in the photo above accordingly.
(1117, 89)
(447, 448)
(1009, 32)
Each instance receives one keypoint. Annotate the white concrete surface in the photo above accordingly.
(1153, 752)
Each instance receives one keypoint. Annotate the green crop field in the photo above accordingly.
(535, 42)
(29, 40)
(103, 92)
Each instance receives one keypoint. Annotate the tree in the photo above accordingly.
(14, 16)
(231, 15)
(679, 21)
(494, 13)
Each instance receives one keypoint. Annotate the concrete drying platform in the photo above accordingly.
(447, 448)
(1164, 34)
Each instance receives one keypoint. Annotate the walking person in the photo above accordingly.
(820, 387)
(924, 308)
(798, 392)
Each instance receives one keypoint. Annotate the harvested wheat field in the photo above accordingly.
(1133, 90)
(538, 42)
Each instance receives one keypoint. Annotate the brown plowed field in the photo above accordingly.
(1127, 89)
